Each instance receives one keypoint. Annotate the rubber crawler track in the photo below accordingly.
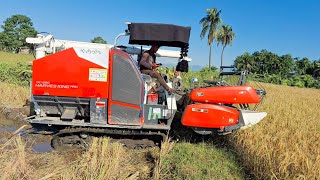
(130, 138)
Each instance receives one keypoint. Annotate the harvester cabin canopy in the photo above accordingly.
(159, 34)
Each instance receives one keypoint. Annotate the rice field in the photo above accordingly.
(11, 58)
(285, 145)
(110, 160)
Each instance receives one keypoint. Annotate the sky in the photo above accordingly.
(280, 26)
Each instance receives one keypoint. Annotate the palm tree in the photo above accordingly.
(210, 25)
(225, 36)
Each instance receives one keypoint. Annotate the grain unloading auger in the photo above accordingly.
(89, 89)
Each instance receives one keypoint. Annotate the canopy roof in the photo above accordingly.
(160, 34)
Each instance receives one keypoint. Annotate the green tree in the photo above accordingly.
(210, 25)
(2, 47)
(245, 62)
(99, 40)
(316, 69)
(225, 37)
(303, 65)
(266, 62)
(286, 65)
(15, 31)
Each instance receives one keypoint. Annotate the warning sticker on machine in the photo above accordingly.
(96, 74)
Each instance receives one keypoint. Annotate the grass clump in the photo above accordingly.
(19, 74)
(13, 95)
(199, 161)
(15, 68)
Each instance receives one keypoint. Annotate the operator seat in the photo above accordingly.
(146, 78)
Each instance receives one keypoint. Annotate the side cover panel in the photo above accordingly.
(126, 81)
(125, 91)
(226, 95)
(74, 72)
(209, 116)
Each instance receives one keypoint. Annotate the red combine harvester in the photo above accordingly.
(89, 89)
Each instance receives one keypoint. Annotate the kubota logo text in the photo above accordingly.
(90, 51)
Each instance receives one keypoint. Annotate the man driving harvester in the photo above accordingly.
(148, 65)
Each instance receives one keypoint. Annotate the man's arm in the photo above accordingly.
(144, 61)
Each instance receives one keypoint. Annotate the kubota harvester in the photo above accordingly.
(83, 89)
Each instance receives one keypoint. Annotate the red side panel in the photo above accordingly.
(122, 117)
(209, 116)
(226, 95)
(66, 74)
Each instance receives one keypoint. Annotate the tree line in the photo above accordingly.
(280, 69)
(263, 65)
(17, 28)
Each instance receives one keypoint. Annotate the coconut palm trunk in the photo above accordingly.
(210, 57)
(221, 63)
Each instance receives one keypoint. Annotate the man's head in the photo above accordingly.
(154, 48)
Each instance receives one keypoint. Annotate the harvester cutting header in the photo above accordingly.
(88, 89)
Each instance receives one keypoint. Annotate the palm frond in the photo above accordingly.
(210, 23)
(226, 35)
(203, 19)
(204, 31)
